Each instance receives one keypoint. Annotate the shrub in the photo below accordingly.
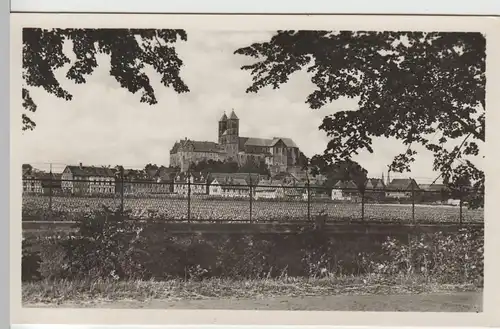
(30, 263)
(447, 258)
(106, 245)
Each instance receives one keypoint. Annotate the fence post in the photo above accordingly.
(51, 181)
(189, 198)
(461, 205)
(308, 199)
(122, 190)
(412, 202)
(363, 205)
(251, 197)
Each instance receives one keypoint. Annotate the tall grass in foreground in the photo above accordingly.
(110, 257)
(81, 291)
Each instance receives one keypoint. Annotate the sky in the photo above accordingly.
(105, 124)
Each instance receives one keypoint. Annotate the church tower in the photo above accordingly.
(232, 138)
(222, 128)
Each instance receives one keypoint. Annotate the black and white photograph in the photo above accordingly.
(290, 169)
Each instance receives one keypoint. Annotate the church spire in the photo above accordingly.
(233, 116)
(224, 117)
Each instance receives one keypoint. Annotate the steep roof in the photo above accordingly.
(263, 142)
(197, 177)
(402, 184)
(230, 182)
(88, 171)
(287, 141)
(198, 146)
(375, 183)
(174, 148)
(224, 117)
(344, 185)
(233, 116)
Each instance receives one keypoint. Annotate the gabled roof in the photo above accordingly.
(87, 171)
(137, 175)
(230, 182)
(175, 148)
(375, 184)
(41, 175)
(268, 185)
(287, 141)
(344, 185)
(197, 146)
(197, 177)
(402, 184)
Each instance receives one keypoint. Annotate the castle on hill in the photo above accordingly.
(280, 154)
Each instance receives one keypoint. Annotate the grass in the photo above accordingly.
(103, 291)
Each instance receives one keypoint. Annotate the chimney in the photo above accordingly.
(388, 177)
(80, 165)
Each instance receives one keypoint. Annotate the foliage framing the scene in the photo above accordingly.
(410, 85)
(130, 51)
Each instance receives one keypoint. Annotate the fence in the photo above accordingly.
(241, 201)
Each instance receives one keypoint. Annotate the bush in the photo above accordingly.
(104, 246)
(30, 263)
(107, 245)
(446, 258)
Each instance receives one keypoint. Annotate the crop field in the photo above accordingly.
(239, 210)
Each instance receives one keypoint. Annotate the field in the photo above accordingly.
(64, 207)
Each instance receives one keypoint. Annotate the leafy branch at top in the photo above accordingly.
(130, 51)
(409, 85)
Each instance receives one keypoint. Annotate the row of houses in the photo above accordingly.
(396, 189)
(91, 180)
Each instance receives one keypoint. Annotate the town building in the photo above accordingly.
(434, 193)
(88, 180)
(402, 189)
(229, 187)
(32, 182)
(375, 189)
(345, 191)
(192, 183)
(269, 189)
(280, 154)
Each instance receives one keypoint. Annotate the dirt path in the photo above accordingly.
(452, 302)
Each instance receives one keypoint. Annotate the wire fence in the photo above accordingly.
(240, 201)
